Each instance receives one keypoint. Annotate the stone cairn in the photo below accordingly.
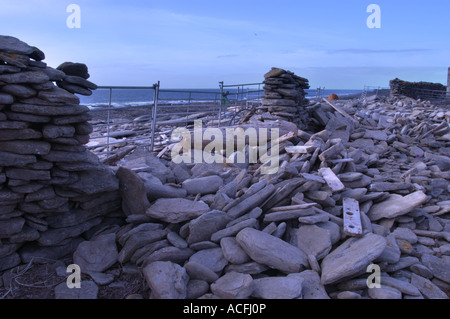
(285, 96)
(51, 188)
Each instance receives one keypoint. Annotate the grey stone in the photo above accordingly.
(26, 235)
(26, 147)
(13, 45)
(427, 288)
(251, 268)
(53, 74)
(61, 110)
(348, 295)
(203, 185)
(53, 131)
(198, 271)
(176, 210)
(10, 159)
(351, 258)
(94, 182)
(30, 77)
(233, 285)
(132, 190)
(77, 80)
(233, 252)
(138, 240)
(11, 227)
(210, 258)
(438, 266)
(88, 290)
(54, 237)
(333, 229)
(76, 69)
(6, 98)
(20, 91)
(403, 286)
(10, 261)
(396, 206)
(233, 230)
(196, 289)
(272, 251)
(311, 286)
(37, 253)
(19, 134)
(278, 287)
(203, 227)
(101, 279)
(59, 95)
(315, 240)
(97, 255)
(176, 240)
(173, 254)
(391, 254)
(156, 190)
(405, 234)
(384, 292)
(166, 280)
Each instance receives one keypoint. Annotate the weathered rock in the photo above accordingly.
(311, 286)
(385, 293)
(132, 190)
(166, 280)
(315, 240)
(439, 267)
(203, 227)
(176, 210)
(278, 287)
(427, 288)
(233, 252)
(98, 255)
(351, 258)
(271, 251)
(396, 206)
(233, 285)
(201, 272)
(203, 185)
(210, 258)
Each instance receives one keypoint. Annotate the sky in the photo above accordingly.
(197, 43)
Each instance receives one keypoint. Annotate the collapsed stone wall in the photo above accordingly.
(52, 189)
(409, 89)
(285, 96)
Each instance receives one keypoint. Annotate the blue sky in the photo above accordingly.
(197, 43)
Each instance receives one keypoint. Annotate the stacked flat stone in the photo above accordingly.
(284, 95)
(52, 190)
(412, 89)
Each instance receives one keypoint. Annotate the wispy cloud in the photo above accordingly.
(378, 51)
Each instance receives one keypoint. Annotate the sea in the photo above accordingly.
(133, 97)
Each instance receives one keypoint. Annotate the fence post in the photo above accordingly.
(221, 103)
(108, 121)
(155, 113)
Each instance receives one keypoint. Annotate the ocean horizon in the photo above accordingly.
(135, 97)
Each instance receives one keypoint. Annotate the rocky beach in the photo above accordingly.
(361, 193)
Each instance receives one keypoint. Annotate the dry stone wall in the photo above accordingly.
(409, 89)
(52, 189)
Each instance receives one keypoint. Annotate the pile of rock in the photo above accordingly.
(222, 231)
(284, 95)
(412, 89)
(52, 189)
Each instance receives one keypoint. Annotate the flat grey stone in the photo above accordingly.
(233, 285)
(210, 258)
(98, 255)
(233, 252)
(351, 258)
(201, 272)
(11, 227)
(156, 189)
(396, 206)
(384, 292)
(176, 210)
(311, 285)
(272, 251)
(201, 228)
(391, 254)
(203, 185)
(233, 230)
(132, 190)
(427, 288)
(278, 288)
(166, 280)
(438, 266)
(406, 234)
(315, 240)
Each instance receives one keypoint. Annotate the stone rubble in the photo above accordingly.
(227, 231)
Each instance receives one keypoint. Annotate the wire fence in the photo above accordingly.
(127, 116)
